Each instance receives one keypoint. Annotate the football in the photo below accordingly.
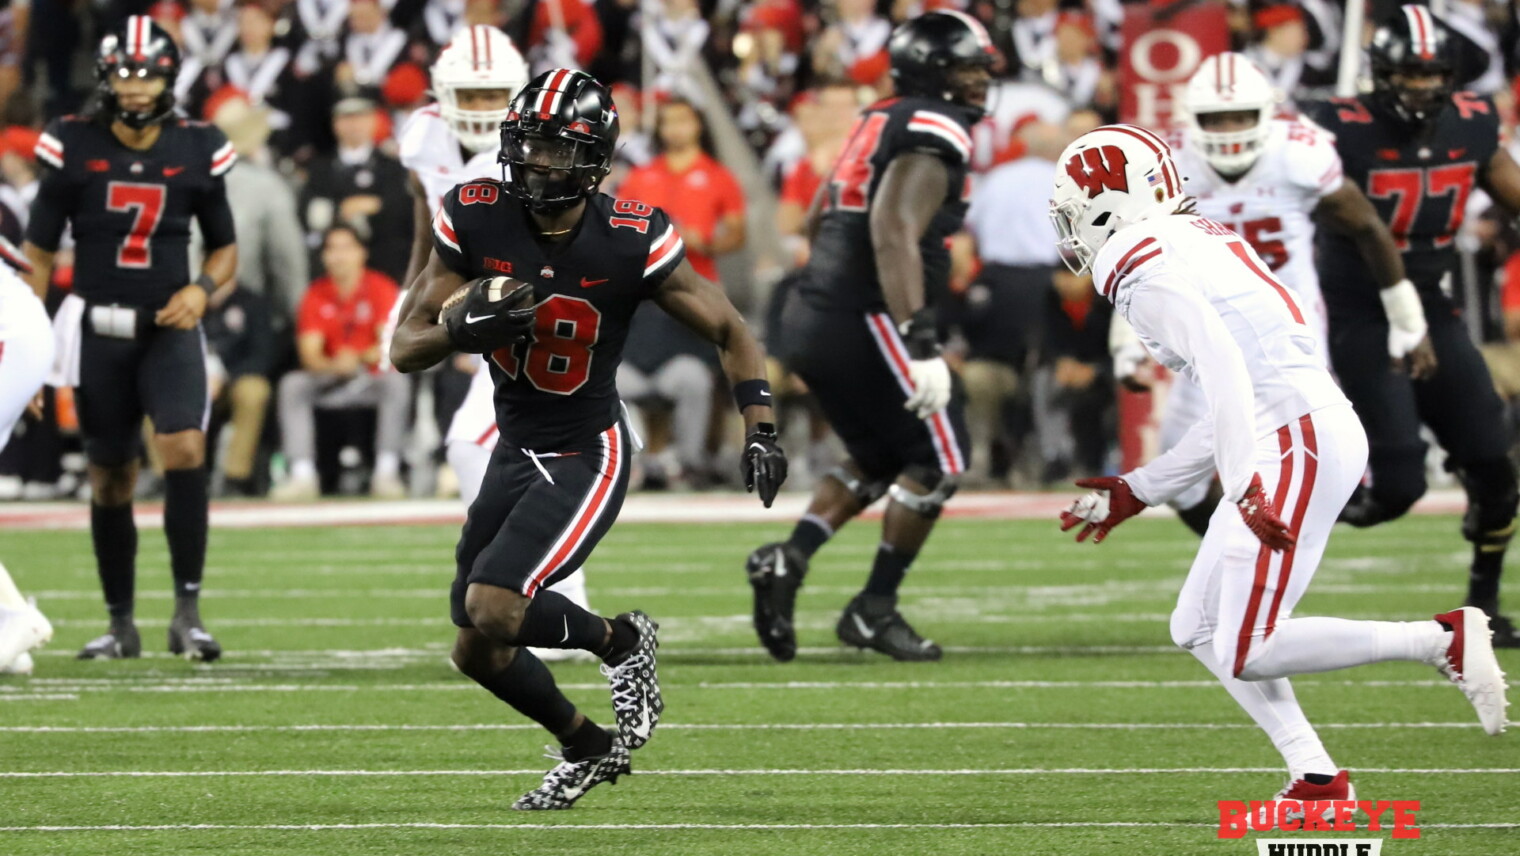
(493, 289)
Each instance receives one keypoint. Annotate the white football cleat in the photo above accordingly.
(1470, 663)
(21, 630)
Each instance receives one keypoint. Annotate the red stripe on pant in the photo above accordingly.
(486, 435)
(1263, 558)
(1300, 507)
(587, 518)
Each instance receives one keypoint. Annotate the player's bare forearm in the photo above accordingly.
(221, 265)
(703, 307)
(911, 191)
(422, 233)
(42, 268)
(1502, 181)
(1348, 212)
(420, 341)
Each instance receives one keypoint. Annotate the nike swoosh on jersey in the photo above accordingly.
(587, 283)
(173, 170)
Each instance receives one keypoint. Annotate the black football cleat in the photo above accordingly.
(122, 643)
(775, 573)
(570, 780)
(874, 623)
(191, 641)
(636, 700)
(1505, 634)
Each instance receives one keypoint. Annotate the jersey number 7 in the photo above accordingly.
(146, 203)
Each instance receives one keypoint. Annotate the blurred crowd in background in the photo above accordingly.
(733, 112)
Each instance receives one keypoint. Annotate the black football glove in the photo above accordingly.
(764, 463)
(478, 325)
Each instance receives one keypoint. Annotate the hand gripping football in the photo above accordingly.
(489, 313)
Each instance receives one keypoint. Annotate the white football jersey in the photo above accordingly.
(1205, 305)
(1271, 206)
(429, 148)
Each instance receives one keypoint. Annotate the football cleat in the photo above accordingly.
(635, 687)
(21, 630)
(1303, 790)
(1469, 662)
(22, 665)
(188, 639)
(570, 780)
(1505, 634)
(880, 627)
(122, 643)
(775, 573)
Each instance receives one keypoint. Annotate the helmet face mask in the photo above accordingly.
(558, 139)
(1413, 74)
(139, 50)
(1229, 112)
(478, 59)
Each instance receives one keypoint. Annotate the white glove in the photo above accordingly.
(1406, 318)
(931, 386)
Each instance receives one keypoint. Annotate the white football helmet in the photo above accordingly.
(1230, 82)
(478, 57)
(1109, 178)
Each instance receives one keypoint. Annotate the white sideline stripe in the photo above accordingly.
(1000, 771)
(568, 827)
(211, 686)
(775, 726)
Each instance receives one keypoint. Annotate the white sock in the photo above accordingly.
(387, 464)
(10, 596)
(1303, 645)
(1274, 707)
(303, 470)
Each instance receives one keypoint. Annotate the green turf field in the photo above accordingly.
(1061, 720)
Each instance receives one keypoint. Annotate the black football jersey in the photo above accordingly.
(841, 271)
(1419, 179)
(560, 387)
(130, 210)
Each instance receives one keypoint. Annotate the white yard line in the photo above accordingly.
(679, 726)
(1002, 771)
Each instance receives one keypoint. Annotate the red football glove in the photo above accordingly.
(1122, 505)
(1256, 510)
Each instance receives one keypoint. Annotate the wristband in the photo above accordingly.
(764, 429)
(747, 392)
(920, 336)
(206, 282)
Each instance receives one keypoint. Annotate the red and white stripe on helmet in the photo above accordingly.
(1422, 30)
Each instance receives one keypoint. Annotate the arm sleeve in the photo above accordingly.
(50, 210)
(446, 240)
(666, 249)
(214, 214)
(1165, 310)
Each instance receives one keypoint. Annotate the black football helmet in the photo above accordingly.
(925, 50)
(558, 138)
(138, 48)
(1412, 42)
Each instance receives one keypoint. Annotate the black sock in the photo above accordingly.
(624, 638)
(554, 621)
(888, 570)
(529, 688)
(588, 741)
(114, 534)
(1487, 566)
(185, 521)
(1318, 778)
(810, 533)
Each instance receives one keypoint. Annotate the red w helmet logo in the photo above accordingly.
(1098, 169)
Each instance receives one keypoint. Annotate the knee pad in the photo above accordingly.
(941, 488)
(1492, 498)
(1188, 628)
(865, 492)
